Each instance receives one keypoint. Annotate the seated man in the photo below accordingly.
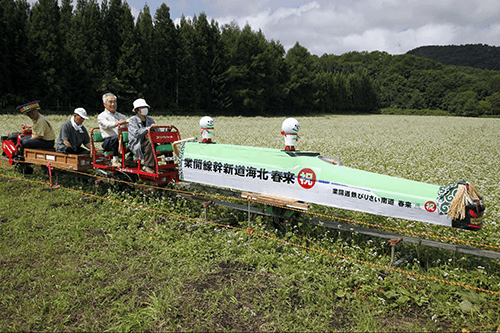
(42, 134)
(73, 135)
(109, 120)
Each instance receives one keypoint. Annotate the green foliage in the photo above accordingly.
(416, 112)
(93, 265)
(14, 77)
(46, 43)
(71, 262)
(87, 54)
(82, 52)
(299, 91)
(255, 74)
(477, 56)
(163, 87)
(409, 82)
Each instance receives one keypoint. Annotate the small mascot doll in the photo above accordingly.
(207, 127)
(289, 128)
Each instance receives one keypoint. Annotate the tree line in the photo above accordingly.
(410, 82)
(473, 55)
(68, 56)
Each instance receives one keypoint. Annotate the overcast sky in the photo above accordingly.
(340, 26)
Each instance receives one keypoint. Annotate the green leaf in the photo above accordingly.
(403, 300)
(390, 294)
(466, 306)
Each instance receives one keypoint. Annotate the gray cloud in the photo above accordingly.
(336, 27)
(339, 26)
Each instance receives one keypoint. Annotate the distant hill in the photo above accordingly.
(473, 55)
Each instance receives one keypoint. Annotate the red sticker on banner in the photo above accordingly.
(307, 178)
(430, 206)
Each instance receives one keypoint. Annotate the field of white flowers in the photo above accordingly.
(437, 150)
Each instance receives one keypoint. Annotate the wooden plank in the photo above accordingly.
(275, 200)
(58, 160)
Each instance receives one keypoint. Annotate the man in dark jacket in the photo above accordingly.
(73, 134)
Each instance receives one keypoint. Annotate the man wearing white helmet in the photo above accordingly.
(139, 144)
(73, 134)
(109, 120)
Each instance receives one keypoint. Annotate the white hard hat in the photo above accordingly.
(290, 125)
(141, 102)
(206, 122)
(81, 112)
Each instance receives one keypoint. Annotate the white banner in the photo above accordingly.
(302, 184)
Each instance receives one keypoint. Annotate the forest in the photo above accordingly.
(68, 55)
(473, 55)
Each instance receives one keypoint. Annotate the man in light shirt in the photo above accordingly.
(109, 120)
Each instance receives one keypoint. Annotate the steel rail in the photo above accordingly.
(360, 230)
(340, 226)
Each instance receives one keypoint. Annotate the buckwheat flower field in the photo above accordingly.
(133, 269)
(437, 150)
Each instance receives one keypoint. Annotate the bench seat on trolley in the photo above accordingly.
(98, 138)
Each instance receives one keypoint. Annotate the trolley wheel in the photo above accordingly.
(125, 180)
(24, 168)
(279, 223)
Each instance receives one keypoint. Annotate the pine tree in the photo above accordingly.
(187, 95)
(46, 43)
(16, 83)
(146, 66)
(129, 63)
(299, 90)
(208, 50)
(121, 49)
(166, 45)
(84, 43)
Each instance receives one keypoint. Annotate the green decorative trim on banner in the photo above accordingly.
(446, 194)
(180, 164)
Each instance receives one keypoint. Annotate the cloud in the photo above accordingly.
(267, 19)
(394, 26)
(135, 12)
(339, 26)
(235, 8)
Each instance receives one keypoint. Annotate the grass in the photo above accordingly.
(75, 263)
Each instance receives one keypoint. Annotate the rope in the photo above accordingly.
(380, 266)
(222, 197)
(383, 227)
(250, 231)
